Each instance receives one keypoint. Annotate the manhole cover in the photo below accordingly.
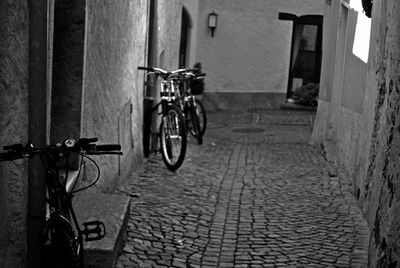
(248, 130)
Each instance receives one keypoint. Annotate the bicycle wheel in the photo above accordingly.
(173, 138)
(61, 246)
(202, 116)
(194, 123)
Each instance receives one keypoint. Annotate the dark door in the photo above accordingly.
(185, 30)
(306, 50)
(305, 63)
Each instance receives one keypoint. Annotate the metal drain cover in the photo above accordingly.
(248, 130)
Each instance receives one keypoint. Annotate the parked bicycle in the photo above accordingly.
(62, 234)
(173, 138)
(193, 109)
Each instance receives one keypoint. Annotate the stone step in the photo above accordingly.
(113, 211)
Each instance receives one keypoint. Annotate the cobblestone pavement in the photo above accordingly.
(255, 194)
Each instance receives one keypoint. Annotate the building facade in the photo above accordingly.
(258, 47)
(358, 112)
(69, 69)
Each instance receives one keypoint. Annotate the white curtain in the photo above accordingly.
(298, 33)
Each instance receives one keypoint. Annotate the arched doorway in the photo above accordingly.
(185, 37)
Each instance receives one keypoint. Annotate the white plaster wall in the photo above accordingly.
(338, 73)
(250, 50)
(169, 28)
(115, 46)
(330, 28)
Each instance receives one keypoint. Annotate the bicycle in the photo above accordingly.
(193, 109)
(62, 236)
(173, 138)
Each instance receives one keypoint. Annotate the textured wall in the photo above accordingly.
(250, 50)
(69, 33)
(13, 129)
(169, 13)
(383, 177)
(342, 84)
(348, 131)
(320, 127)
(377, 44)
(368, 139)
(115, 46)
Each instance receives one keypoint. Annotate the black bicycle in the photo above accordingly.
(173, 138)
(62, 235)
(193, 109)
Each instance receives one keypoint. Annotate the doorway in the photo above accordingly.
(306, 51)
(185, 37)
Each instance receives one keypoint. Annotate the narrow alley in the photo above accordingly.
(255, 194)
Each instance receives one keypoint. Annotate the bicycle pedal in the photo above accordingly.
(93, 230)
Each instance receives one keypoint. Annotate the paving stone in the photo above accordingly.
(263, 199)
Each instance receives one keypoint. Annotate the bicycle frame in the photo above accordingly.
(59, 201)
(173, 138)
(168, 89)
(62, 239)
(65, 207)
(185, 98)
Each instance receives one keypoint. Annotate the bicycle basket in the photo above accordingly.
(197, 86)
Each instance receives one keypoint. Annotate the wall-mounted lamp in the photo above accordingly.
(212, 22)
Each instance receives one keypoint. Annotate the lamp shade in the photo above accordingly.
(212, 20)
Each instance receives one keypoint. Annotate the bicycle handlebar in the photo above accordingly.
(155, 70)
(108, 147)
(10, 156)
(82, 146)
(12, 147)
(185, 71)
(101, 152)
(85, 141)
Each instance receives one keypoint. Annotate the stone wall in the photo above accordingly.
(13, 129)
(383, 176)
